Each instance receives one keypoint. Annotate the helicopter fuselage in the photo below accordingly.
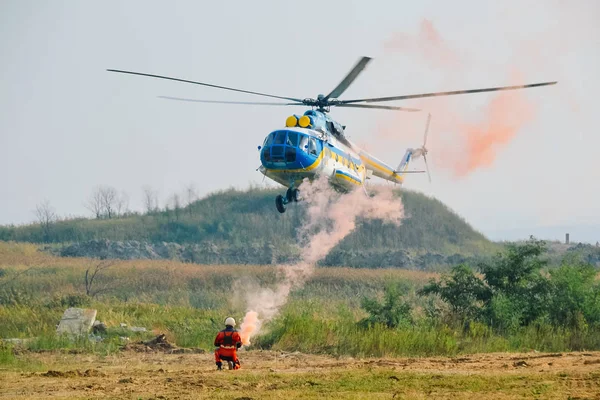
(295, 153)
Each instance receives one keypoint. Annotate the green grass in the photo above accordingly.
(305, 329)
(189, 302)
(23, 363)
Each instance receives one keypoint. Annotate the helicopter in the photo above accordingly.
(313, 144)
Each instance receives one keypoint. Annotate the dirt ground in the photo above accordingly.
(275, 375)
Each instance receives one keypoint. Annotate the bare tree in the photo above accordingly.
(46, 216)
(150, 199)
(103, 202)
(176, 202)
(91, 276)
(191, 196)
(94, 203)
(122, 204)
(109, 199)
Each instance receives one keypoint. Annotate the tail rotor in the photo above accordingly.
(414, 154)
(424, 149)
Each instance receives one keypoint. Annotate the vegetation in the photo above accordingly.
(242, 227)
(188, 303)
(391, 313)
(514, 292)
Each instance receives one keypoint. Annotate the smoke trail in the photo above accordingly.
(504, 116)
(330, 217)
(473, 142)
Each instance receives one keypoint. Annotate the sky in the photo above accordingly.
(67, 126)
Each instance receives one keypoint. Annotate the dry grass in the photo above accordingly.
(19, 257)
(277, 375)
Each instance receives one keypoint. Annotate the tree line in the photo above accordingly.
(106, 202)
(513, 290)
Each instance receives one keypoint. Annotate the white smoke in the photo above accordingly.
(330, 217)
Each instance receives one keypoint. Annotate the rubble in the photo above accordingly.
(99, 327)
(159, 344)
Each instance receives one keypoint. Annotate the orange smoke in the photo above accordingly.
(503, 117)
(428, 44)
(469, 142)
(249, 325)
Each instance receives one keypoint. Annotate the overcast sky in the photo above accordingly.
(67, 125)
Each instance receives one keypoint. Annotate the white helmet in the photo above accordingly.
(230, 321)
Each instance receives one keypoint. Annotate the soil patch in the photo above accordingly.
(159, 344)
(73, 374)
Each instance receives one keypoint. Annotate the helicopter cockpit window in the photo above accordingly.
(304, 143)
(312, 146)
(292, 139)
(266, 152)
(290, 154)
(330, 127)
(269, 140)
(280, 138)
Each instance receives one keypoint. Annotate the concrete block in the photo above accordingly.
(76, 321)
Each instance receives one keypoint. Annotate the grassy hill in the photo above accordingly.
(243, 227)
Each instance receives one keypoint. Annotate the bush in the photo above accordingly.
(75, 300)
(392, 312)
(462, 290)
(516, 275)
(575, 299)
(514, 292)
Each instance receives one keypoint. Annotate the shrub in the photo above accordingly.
(575, 299)
(392, 312)
(514, 292)
(462, 290)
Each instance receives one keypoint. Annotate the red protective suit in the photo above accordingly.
(228, 341)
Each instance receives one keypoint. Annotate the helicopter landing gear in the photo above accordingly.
(280, 203)
(292, 195)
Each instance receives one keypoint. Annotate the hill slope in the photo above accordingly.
(243, 227)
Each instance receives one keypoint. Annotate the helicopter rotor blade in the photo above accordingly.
(347, 81)
(426, 129)
(204, 84)
(378, 107)
(259, 103)
(455, 92)
(427, 167)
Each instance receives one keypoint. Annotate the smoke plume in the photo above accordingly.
(330, 217)
(473, 137)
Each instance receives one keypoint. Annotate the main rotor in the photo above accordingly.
(324, 103)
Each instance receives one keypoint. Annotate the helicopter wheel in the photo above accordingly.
(280, 203)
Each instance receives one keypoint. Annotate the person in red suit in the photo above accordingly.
(227, 343)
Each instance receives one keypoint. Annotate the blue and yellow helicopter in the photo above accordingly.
(314, 145)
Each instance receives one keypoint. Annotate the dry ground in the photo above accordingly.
(276, 375)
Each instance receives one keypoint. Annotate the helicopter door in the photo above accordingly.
(312, 146)
(304, 143)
